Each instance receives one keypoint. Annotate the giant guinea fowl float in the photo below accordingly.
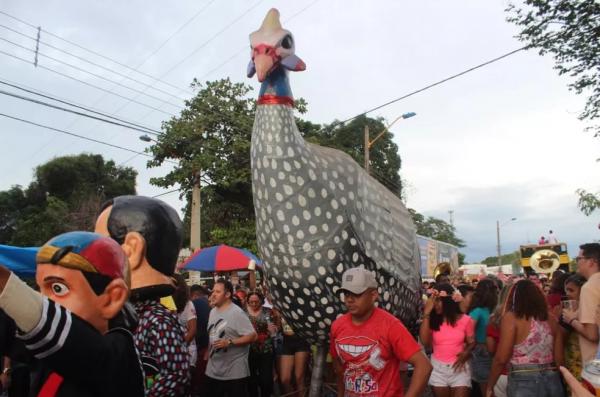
(318, 212)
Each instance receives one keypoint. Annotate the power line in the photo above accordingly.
(433, 85)
(382, 178)
(88, 84)
(73, 134)
(177, 31)
(140, 127)
(80, 136)
(391, 183)
(97, 53)
(165, 193)
(198, 49)
(124, 76)
(73, 111)
(244, 48)
(127, 161)
(211, 39)
(91, 73)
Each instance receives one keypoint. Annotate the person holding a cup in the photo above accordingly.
(570, 337)
(583, 320)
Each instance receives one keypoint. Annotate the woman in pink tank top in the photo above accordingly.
(450, 333)
(528, 343)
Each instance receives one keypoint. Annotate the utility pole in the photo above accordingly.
(367, 149)
(195, 217)
(498, 238)
(451, 214)
(498, 241)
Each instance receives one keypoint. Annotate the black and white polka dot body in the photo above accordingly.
(319, 213)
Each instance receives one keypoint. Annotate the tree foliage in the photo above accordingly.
(569, 30)
(588, 202)
(436, 229)
(514, 258)
(212, 135)
(384, 159)
(65, 195)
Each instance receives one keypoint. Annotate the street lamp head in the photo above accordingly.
(145, 138)
(408, 115)
(513, 219)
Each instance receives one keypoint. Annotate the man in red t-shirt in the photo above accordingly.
(368, 344)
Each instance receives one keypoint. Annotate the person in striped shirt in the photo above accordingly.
(78, 325)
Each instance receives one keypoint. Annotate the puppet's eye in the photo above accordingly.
(287, 42)
(59, 289)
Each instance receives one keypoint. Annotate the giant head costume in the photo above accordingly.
(87, 274)
(150, 233)
(77, 325)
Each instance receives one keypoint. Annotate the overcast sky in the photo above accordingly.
(500, 142)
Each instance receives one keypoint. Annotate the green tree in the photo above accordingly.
(13, 203)
(514, 258)
(569, 30)
(436, 229)
(66, 194)
(212, 136)
(588, 202)
(385, 161)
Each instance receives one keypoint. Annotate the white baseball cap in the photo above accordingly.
(357, 280)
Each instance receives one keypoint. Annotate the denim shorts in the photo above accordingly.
(481, 364)
(534, 380)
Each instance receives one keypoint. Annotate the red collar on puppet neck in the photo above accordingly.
(275, 100)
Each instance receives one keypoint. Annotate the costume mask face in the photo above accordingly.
(85, 273)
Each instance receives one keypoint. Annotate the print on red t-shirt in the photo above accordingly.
(371, 353)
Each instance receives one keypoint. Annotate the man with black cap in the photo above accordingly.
(368, 344)
(150, 234)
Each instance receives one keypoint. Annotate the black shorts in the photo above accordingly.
(292, 344)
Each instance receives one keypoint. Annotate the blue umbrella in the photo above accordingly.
(20, 260)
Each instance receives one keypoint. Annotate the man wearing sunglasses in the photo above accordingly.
(368, 344)
(584, 320)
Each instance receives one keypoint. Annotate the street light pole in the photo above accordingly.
(499, 249)
(369, 143)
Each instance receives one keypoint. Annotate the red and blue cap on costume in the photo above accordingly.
(85, 251)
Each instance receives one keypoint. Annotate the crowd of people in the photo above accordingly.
(509, 336)
(238, 343)
(518, 331)
(482, 337)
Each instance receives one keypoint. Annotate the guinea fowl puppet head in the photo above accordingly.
(272, 46)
